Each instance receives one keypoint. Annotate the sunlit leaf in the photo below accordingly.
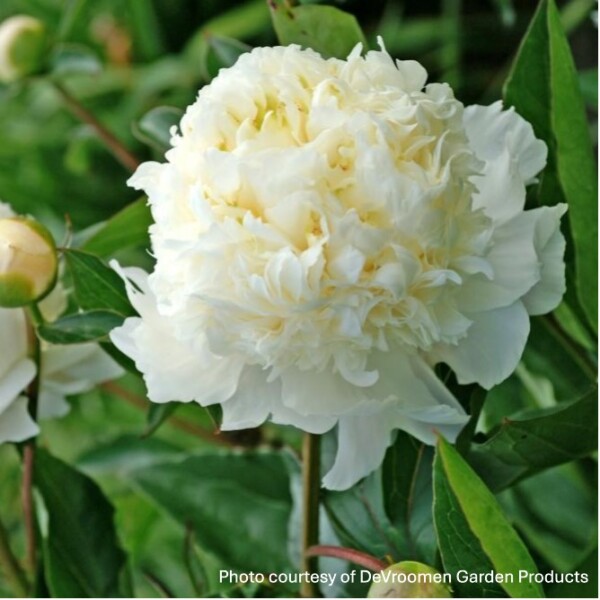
(473, 532)
(326, 29)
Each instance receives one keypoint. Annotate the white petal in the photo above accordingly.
(324, 393)
(362, 442)
(78, 368)
(512, 155)
(515, 265)
(172, 370)
(52, 403)
(16, 425)
(15, 381)
(251, 404)
(549, 242)
(490, 130)
(492, 348)
(13, 338)
(413, 399)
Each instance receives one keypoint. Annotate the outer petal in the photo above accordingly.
(515, 265)
(419, 404)
(172, 370)
(512, 155)
(491, 129)
(70, 370)
(15, 381)
(492, 348)
(256, 398)
(16, 425)
(549, 243)
(362, 442)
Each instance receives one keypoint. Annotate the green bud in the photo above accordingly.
(23, 45)
(409, 579)
(28, 261)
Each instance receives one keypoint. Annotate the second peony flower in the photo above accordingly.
(326, 232)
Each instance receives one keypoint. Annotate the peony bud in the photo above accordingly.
(409, 579)
(28, 261)
(23, 43)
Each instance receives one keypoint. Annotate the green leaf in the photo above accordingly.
(97, 286)
(128, 228)
(75, 59)
(408, 494)
(238, 504)
(80, 327)
(326, 29)
(154, 128)
(549, 354)
(221, 52)
(544, 88)
(157, 415)
(521, 448)
(473, 532)
(555, 512)
(588, 80)
(82, 556)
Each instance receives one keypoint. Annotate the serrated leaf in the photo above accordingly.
(326, 29)
(80, 327)
(521, 448)
(128, 228)
(544, 88)
(154, 128)
(239, 505)
(473, 532)
(97, 286)
(82, 555)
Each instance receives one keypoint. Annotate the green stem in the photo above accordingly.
(15, 576)
(311, 481)
(119, 151)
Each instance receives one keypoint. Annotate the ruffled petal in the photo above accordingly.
(492, 349)
(512, 155)
(16, 425)
(515, 264)
(491, 130)
(550, 244)
(172, 370)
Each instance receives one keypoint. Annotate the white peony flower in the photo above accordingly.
(65, 370)
(326, 231)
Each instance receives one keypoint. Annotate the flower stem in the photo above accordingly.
(310, 525)
(11, 567)
(119, 151)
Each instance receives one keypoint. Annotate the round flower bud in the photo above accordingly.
(22, 47)
(28, 261)
(409, 579)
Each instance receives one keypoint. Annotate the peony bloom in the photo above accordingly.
(65, 370)
(326, 231)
